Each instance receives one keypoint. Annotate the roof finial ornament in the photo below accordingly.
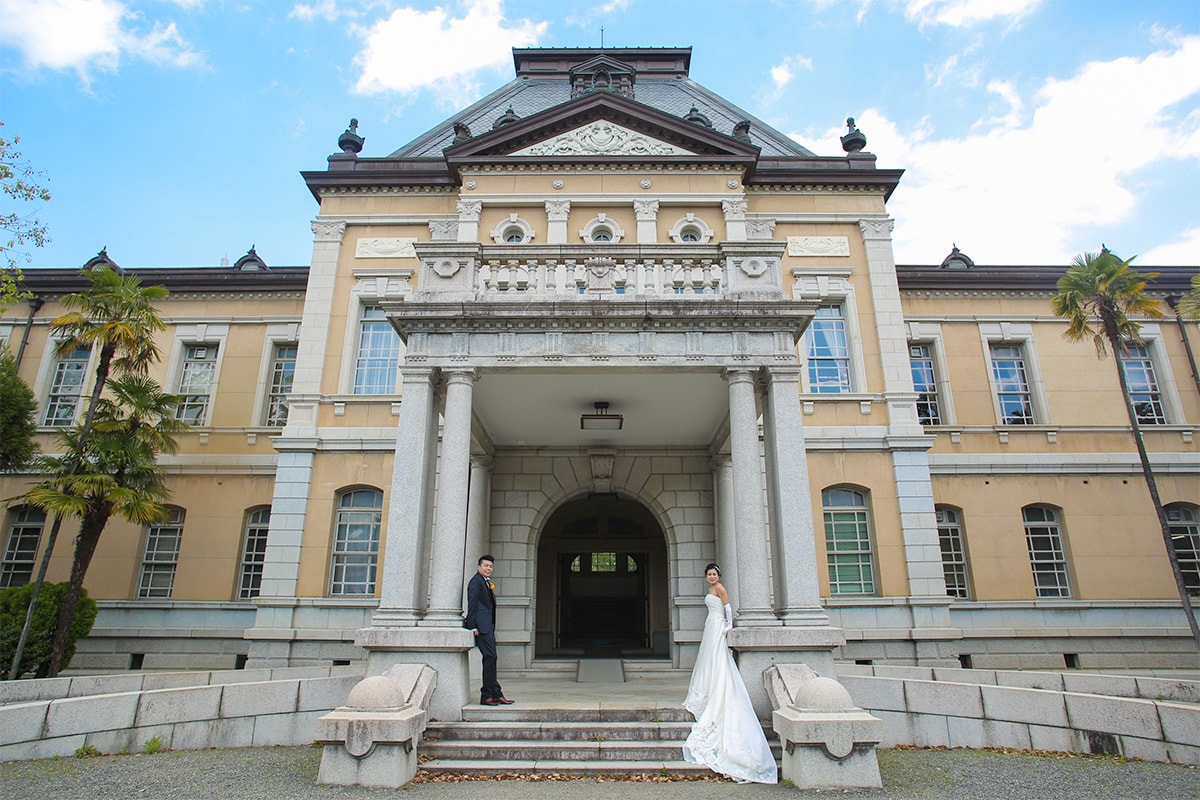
(507, 118)
(696, 117)
(461, 132)
(350, 142)
(601, 37)
(854, 140)
(741, 131)
(956, 260)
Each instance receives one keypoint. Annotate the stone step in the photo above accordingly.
(572, 767)
(491, 750)
(557, 731)
(515, 713)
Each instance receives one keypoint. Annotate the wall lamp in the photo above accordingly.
(601, 420)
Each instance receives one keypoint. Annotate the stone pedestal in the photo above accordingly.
(444, 650)
(372, 740)
(759, 649)
(827, 741)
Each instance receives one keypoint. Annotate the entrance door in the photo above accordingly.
(602, 582)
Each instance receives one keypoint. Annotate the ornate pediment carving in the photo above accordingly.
(602, 138)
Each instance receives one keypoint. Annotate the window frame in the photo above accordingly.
(276, 395)
(602, 223)
(1186, 527)
(360, 370)
(1019, 335)
(1150, 371)
(57, 367)
(811, 360)
(955, 561)
(196, 400)
(255, 533)
(168, 533)
(1054, 561)
(18, 530)
(690, 223)
(934, 387)
(862, 559)
(198, 335)
(510, 227)
(340, 561)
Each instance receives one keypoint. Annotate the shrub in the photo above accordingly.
(14, 604)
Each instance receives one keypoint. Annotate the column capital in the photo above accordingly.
(557, 210)
(460, 375)
(328, 231)
(470, 210)
(645, 209)
(877, 228)
(785, 374)
(734, 375)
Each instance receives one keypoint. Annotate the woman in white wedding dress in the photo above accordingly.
(727, 736)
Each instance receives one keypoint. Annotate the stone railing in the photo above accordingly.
(666, 277)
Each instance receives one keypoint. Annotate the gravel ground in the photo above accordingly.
(289, 773)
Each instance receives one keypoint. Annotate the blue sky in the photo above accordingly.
(173, 132)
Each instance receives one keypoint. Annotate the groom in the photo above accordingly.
(481, 620)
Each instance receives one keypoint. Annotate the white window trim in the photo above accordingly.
(832, 289)
(701, 227)
(930, 333)
(45, 377)
(513, 222)
(277, 334)
(1017, 333)
(602, 221)
(198, 335)
(1152, 338)
(371, 289)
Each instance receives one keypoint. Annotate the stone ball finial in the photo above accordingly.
(350, 142)
(854, 140)
(375, 692)
(823, 694)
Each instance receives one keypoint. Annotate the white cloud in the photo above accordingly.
(327, 10)
(783, 73)
(964, 13)
(1182, 251)
(87, 36)
(1022, 188)
(413, 49)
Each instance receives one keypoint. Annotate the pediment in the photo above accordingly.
(600, 125)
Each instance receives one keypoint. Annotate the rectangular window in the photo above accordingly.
(66, 387)
(356, 542)
(1011, 382)
(1047, 557)
(283, 373)
(848, 542)
(161, 557)
(1143, 385)
(378, 354)
(954, 556)
(254, 553)
(196, 383)
(828, 352)
(925, 383)
(1184, 524)
(20, 551)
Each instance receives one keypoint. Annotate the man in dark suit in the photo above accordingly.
(481, 619)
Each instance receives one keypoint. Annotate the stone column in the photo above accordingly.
(408, 511)
(449, 545)
(478, 516)
(646, 212)
(725, 526)
(748, 497)
(791, 499)
(557, 212)
(469, 212)
(735, 219)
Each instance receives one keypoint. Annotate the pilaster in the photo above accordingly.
(646, 212)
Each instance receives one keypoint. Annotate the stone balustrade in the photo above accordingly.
(547, 278)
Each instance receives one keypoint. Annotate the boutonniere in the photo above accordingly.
(491, 585)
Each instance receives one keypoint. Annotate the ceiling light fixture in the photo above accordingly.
(601, 420)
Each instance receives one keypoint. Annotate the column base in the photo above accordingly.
(443, 649)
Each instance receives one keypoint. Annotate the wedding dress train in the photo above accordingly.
(726, 737)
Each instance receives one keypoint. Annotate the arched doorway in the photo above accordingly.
(602, 582)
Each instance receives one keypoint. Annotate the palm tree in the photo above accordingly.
(110, 470)
(117, 315)
(1101, 286)
(1189, 306)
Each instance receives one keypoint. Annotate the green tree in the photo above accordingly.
(111, 469)
(1189, 305)
(19, 181)
(14, 605)
(117, 315)
(1102, 287)
(18, 406)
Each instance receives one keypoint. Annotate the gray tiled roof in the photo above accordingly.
(529, 96)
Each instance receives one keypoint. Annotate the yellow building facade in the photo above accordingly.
(608, 327)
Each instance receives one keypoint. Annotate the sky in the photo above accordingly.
(173, 132)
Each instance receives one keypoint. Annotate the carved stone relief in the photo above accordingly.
(819, 246)
(385, 248)
(602, 138)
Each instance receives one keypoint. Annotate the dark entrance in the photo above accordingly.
(602, 582)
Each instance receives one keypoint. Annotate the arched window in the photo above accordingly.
(161, 556)
(1183, 522)
(20, 549)
(954, 552)
(254, 552)
(1047, 555)
(848, 541)
(356, 542)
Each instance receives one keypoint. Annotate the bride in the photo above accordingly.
(727, 737)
